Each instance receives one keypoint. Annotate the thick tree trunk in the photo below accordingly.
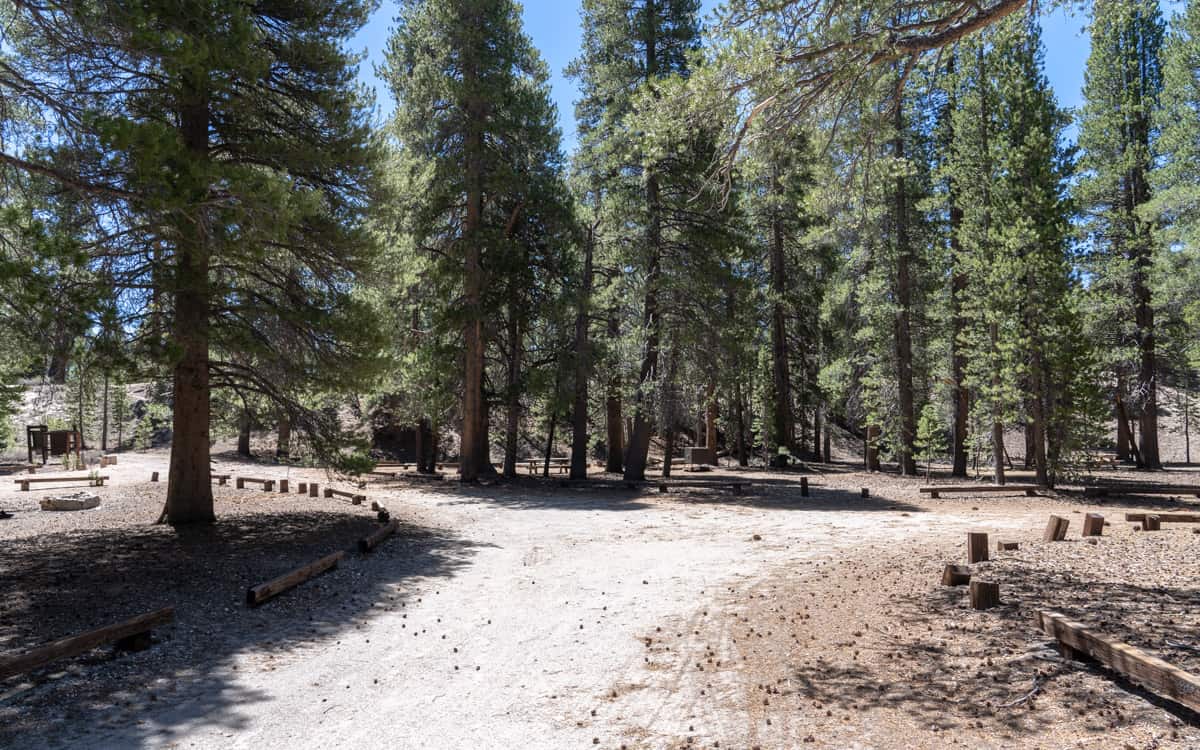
(668, 452)
(104, 417)
(613, 419)
(243, 443)
(739, 418)
(189, 487)
(958, 289)
(782, 422)
(872, 450)
(904, 367)
(474, 442)
(512, 422)
(1123, 437)
(710, 417)
(583, 366)
(283, 443)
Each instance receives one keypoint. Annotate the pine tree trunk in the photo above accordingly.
(639, 439)
(872, 451)
(512, 421)
(1036, 439)
(739, 418)
(104, 417)
(189, 487)
(473, 458)
(283, 440)
(668, 452)
(1123, 441)
(243, 444)
(904, 367)
(613, 419)
(782, 423)
(583, 366)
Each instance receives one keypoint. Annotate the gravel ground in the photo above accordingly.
(537, 617)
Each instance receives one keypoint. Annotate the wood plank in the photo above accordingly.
(936, 489)
(256, 595)
(81, 644)
(1056, 529)
(372, 540)
(1165, 517)
(1151, 672)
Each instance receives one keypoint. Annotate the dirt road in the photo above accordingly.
(529, 617)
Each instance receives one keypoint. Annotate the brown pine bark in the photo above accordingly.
(243, 444)
(583, 365)
(613, 419)
(189, 489)
(472, 456)
(284, 436)
(904, 370)
(783, 424)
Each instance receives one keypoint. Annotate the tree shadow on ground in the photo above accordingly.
(61, 584)
(775, 492)
(957, 670)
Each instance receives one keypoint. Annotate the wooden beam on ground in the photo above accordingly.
(372, 540)
(267, 484)
(956, 575)
(1165, 517)
(1142, 489)
(1151, 672)
(256, 595)
(1005, 546)
(937, 490)
(354, 498)
(1056, 529)
(81, 644)
(26, 481)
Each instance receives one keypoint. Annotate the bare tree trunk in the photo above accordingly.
(243, 444)
(104, 417)
(583, 365)
(904, 374)
(513, 411)
(284, 439)
(739, 418)
(872, 452)
(473, 458)
(613, 419)
(189, 485)
(668, 451)
(782, 423)
(1123, 438)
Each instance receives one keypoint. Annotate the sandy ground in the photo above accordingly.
(536, 617)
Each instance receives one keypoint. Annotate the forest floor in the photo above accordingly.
(533, 616)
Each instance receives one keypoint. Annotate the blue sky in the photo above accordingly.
(554, 27)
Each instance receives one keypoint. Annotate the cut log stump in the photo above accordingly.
(258, 594)
(977, 547)
(283, 486)
(1003, 546)
(81, 644)
(313, 490)
(1093, 524)
(984, 595)
(1056, 529)
(803, 486)
(302, 488)
(956, 575)
(1151, 523)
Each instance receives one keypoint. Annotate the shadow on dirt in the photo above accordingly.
(60, 584)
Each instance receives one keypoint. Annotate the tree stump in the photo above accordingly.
(866, 492)
(312, 490)
(1152, 523)
(956, 575)
(302, 488)
(154, 476)
(1007, 546)
(1056, 529)
(803, 486)
(283, 486)
(977, 547)
(1093, 524)
(984, 595)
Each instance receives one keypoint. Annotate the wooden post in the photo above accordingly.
(1056, 529)
(977, 547)
(866, 492)
(312, 489)
(79, 644)
(328, 492)
(956, 575)
(154, 476)
(1093, 524)
(241, 483)
(372, 540)
(803, 486)
(283, 486)
(1151, 523)
(302, 488)
(258, 594)
(984, 595)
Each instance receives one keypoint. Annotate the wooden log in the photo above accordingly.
(866, 492)
(956, 575)
(222, 479)
(977, 547)
(328, 492)
(1006, 546)
(240, 483)
(372, 540)
(1152, 523)
(80, 644)
(1056, 529)
(984, 595)
(312, 489)
(937, 489)
(256, 595)
(1143, 489)
(302, 488)
(803, 486)
(1151, 672)
(1166, 517)
(1093, 524)
(283, 486)
(154, 476)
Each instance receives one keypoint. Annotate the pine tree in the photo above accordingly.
(1116, 135)
(481, 208)
(229, 149)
